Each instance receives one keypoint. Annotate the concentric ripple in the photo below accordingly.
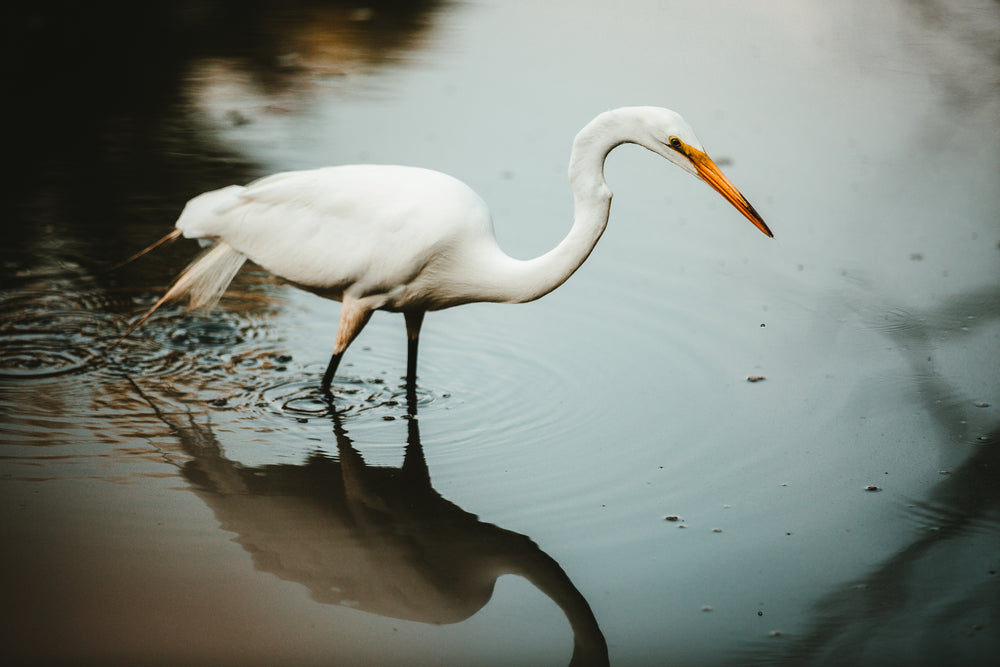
(300, 399)
(189, 347)
(49, 333)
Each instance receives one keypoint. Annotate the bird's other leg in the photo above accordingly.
(414, 318)
(353, 318)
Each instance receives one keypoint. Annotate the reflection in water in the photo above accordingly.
(967, 69)
(942, 586)
(87, 173)
(110, 140)
(378, 539)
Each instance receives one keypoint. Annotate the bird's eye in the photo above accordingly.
(675, 143)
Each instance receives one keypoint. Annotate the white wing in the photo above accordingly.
(370, 228)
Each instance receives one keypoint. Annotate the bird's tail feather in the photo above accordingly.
(204, 280)
(172, 236)
(208, 277)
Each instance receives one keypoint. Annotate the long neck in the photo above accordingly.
(527, 560)
(518, 281)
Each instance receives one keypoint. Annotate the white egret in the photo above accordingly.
(410, 240)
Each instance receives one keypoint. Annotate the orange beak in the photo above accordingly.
(709, 172)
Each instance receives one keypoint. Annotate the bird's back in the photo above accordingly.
(370, 228)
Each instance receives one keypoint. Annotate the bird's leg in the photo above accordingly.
(331, 368)
(414, 318)
(353, 317)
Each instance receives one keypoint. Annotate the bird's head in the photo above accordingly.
(667, 134)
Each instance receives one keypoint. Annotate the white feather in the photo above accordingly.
(207, 278)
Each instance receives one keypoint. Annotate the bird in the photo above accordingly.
(409, 239)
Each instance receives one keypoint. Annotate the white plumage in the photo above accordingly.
(411, 240)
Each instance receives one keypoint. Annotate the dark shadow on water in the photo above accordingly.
(104, 143)
(375, 538)
(937, 599)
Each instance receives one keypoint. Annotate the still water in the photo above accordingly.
(589, 476)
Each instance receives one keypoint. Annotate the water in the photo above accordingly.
(190, 497)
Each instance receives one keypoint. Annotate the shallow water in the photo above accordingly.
(595, 465)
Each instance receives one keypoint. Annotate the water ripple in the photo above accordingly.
(191, 347)
(49, 333)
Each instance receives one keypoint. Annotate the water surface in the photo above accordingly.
(190, 497)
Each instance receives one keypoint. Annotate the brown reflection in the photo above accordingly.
(374, 538)
(950, 616)
(108, 141)
(332, 36)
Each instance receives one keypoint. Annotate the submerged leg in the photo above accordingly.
(353, 318)
(414, 318)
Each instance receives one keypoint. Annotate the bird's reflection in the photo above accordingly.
(378, 539)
